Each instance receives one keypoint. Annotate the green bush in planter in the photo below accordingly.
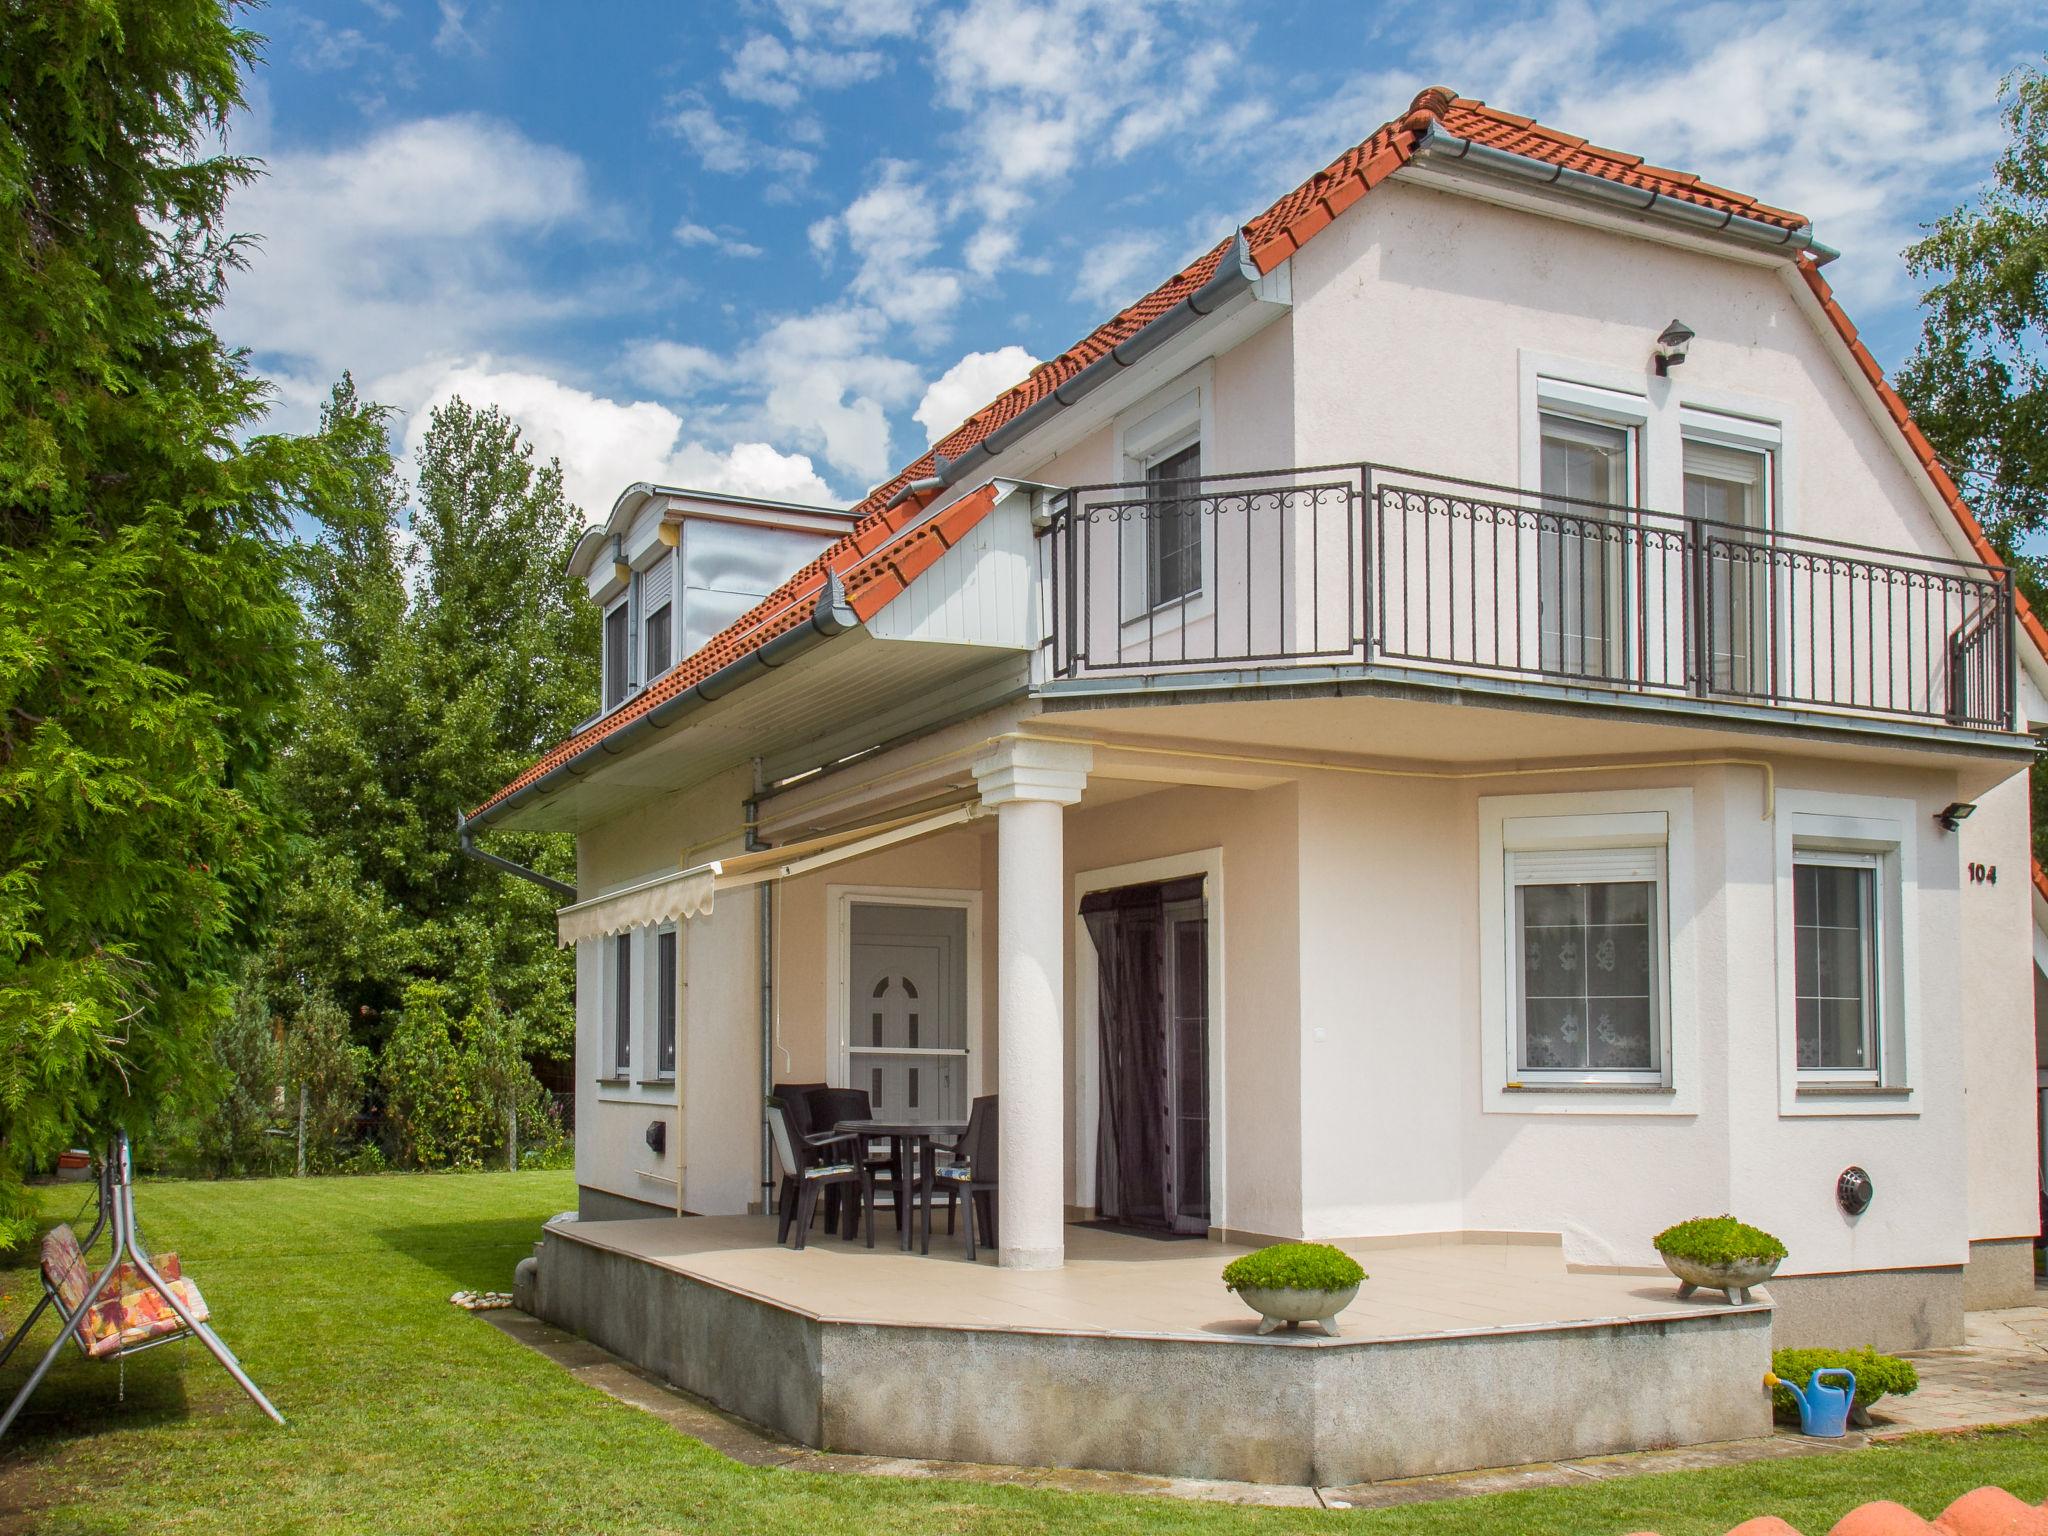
(1876, 1375)
(1718, 1240)
(1293, 1267)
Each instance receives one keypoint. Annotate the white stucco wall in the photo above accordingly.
(1356, 1100)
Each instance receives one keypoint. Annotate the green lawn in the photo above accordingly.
(407, 1415)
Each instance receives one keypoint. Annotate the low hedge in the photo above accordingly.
(1876, 1375)
(1718, 1240)
(1293, 1267)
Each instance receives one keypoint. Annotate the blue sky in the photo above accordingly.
(775, 246)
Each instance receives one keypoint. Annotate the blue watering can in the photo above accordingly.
(1823, 1410)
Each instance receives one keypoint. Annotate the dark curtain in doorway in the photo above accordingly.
(1128, 927)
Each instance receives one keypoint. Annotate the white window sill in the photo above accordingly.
(1851, 1099)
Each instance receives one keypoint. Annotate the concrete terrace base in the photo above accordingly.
(1132, 1359)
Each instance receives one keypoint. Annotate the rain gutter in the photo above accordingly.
(1235, 274)
(830, 617)
(1437, 146)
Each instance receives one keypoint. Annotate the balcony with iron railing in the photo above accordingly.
(1380, 569)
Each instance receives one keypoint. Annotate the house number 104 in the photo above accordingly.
(1984, 874)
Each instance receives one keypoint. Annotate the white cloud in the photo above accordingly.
(605, 445)
(691, 233)
(1854, 115)
(729, 150)
(849, 19)
(892, 229)
(967, 386)
(453, 35)
(409, 243)
(1117, 268)
(766, 70)
(1043, 86)
(821, 381)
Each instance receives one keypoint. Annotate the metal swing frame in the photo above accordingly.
(117, 1209)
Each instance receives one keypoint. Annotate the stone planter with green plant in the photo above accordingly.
(1876, 1376)
(1719, 1253)
(1295, 1283)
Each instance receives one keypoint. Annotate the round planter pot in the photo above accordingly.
(1731, 1280)
(1295, 1307)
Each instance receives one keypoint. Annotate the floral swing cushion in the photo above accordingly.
(130, 1310)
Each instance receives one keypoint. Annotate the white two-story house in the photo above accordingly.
(1469, 709)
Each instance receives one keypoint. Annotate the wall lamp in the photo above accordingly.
(1671, 344)
(1954, 814)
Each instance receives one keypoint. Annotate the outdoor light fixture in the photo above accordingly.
(1854, 1191)
(1954, 814)
(1671, 345)
(657, 1136)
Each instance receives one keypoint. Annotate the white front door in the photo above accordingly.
(906, 1009)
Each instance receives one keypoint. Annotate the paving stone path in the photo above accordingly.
(1999, 1376)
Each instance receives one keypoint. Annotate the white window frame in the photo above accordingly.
(840, 901)
(649, 1040)
(1177, 417)
(624, 603)
(1607, 865)
(1816, 825)
(612, 1069)
(1825, 857)
(1589, 822)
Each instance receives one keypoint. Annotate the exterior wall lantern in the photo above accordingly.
(1671, 344)
(1954, 814)
(657, 1137)
(1853, 1191)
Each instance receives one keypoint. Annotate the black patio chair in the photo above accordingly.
(969, 1171)
(820, 1161)
(828, 1108)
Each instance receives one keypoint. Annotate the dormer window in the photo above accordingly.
(618, 652)
(657, 603)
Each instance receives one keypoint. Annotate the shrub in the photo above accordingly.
(1718, 1240)
(1876, 1375)
(1293, 1267)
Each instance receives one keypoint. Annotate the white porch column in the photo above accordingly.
(1030, 783)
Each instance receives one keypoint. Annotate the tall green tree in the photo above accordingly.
(148, 637)
(451, 648)
(1978, 381)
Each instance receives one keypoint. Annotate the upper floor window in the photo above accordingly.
(1728, 499)
(1173, 557)
(1581, 551)
(1160, 558)
(657, 592)
(618, 651)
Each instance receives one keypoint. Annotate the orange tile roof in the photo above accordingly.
(887, 547)
(1980, 1512)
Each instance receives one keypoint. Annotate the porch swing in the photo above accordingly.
(146, 1303)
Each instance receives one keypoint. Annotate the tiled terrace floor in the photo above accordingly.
(1121, 1284)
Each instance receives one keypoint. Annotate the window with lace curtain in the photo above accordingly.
(1588, 966)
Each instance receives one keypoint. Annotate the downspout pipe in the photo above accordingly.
(830, 617)
(465, 839)
(1439, 145)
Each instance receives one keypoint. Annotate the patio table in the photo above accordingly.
(911, 1140)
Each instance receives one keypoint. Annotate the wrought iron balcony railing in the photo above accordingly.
(1366, 564)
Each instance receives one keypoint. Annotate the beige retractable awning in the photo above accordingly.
(689, 892)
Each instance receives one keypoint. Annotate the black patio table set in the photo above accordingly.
(833, 1151)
